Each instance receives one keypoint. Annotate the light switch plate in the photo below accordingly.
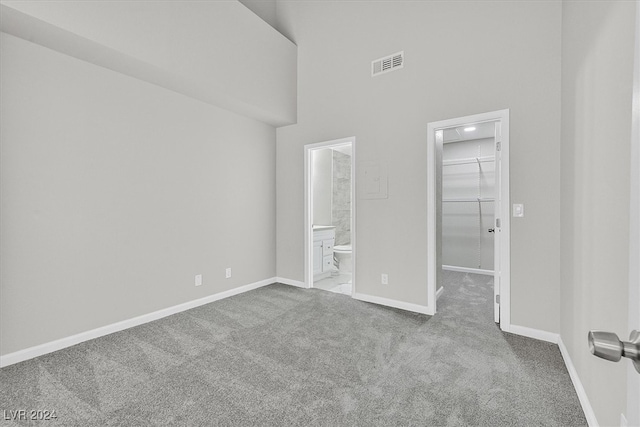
(518, 210)
(198, 279)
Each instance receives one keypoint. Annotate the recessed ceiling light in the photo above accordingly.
(470, 129)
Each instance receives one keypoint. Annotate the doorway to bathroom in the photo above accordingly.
(468, 205)
(330, 215)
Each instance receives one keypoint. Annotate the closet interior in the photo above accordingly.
(468, 199)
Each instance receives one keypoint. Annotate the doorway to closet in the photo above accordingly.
(330, 216)
(468, 198)
(468, 204)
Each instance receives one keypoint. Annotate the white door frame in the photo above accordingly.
(308, 206)
(502, 237)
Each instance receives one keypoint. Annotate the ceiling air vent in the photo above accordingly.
(388, 63)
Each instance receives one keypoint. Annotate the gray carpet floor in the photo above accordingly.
(280, 355)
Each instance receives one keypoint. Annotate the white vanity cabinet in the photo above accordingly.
(324, 238)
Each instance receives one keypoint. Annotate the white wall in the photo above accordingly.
(115, 193)
(219, 52)
(322, 186)
(516, 65)
(597, 75)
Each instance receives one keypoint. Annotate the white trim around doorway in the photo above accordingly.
(308, 207)
(504, 214)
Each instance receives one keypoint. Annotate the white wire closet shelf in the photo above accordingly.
(468, 160)
(470, 199)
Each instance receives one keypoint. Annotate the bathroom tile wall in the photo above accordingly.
(341, 206)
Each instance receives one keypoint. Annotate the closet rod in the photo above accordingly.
(468, 160)
(471, 199)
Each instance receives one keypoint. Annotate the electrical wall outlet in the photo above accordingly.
(228, 273)
(384, 279)
(198, 279)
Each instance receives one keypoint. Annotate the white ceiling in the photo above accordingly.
(218, 52)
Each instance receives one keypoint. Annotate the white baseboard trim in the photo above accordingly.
(577, 384)
(39, 350)
(439, 292)
(534, 333)
(468, 270)
(392, 303)
(575, 379)
(291, 282)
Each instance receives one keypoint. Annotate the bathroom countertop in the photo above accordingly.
(323, 227)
